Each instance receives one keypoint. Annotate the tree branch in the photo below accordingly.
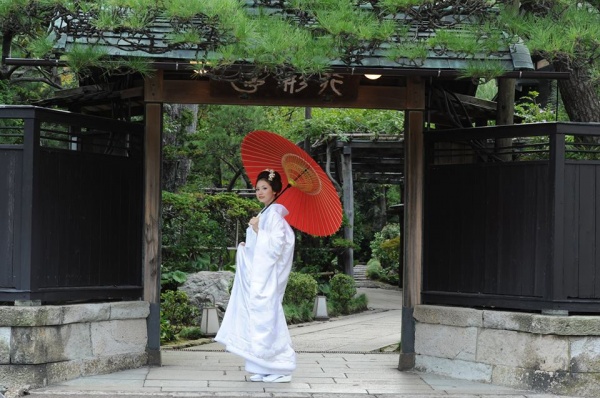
(35, 80)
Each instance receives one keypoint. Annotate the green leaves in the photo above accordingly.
(559, 32)
(298, 36)
(484, 71)
(82, 58)
(197, 229)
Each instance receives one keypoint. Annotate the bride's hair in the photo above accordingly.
(272, 178)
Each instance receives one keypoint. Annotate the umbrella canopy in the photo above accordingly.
(308, 193)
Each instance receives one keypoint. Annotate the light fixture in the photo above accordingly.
(209, 323)
(320, 309)
(373, 77)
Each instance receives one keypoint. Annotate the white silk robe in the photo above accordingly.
(254, 325)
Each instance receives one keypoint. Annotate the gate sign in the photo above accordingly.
(330, 87)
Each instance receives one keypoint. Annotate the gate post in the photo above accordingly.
(152, 204)
(413, 216)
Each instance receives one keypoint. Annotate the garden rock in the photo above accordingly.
(202, 286)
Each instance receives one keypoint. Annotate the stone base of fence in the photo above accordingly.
(41, 345)
(546, 353)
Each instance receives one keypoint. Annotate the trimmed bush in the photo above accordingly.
(343, 289)
(301, 289)
(374, 270)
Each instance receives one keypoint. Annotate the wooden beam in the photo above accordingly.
(154, 88)
(198, 92)
(415, 93)
(152, 205)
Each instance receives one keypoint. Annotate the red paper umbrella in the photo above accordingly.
(308, 193)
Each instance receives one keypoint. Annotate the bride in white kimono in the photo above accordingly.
(254, 325)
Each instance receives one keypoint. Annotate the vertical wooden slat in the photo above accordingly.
(152, 195)
(571, 230)
(597, 234)
(492, 232)
(586, 244)
(557, 177)
(542, 228)
(29, 249)
(10, 198)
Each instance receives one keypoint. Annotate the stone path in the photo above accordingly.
(339, 358)
(360, 277)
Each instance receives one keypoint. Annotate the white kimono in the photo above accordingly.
(254, 325)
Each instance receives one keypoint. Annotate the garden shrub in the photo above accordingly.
(384, 254)
(385, 248)
(191, 333)
(343, 289)
(374, 270)
(298, 313)
(358, 304)
(301, 288)
(175, 313)
(391, 248)
(167, 331)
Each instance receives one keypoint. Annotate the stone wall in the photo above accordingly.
(41, 345)
(547, 353)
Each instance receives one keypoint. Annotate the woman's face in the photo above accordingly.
(264, 192)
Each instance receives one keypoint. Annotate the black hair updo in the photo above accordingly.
(272, 178)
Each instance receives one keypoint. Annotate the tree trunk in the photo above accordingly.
(176, 168)
(579, 94)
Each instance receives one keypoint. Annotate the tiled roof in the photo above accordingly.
(156, 42)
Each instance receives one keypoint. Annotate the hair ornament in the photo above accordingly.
(271, 174)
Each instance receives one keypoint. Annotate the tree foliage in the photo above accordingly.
(197, 229)
(566, 33)
(234, 39)
(279, 37)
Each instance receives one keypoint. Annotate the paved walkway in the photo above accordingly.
(343, 357)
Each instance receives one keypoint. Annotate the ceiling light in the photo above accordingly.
(373, 77)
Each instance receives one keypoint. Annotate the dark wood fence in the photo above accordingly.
(71, 206)
(512, 217)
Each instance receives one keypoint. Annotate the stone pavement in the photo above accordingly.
(349, 356)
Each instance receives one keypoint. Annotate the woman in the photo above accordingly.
(254, 325)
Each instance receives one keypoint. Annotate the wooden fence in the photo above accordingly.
(512, 217)
(71, 206)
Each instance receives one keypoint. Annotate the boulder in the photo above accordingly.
(201, 287)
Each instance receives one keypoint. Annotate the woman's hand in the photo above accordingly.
(254, 224)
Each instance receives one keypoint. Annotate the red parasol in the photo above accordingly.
(308, 193)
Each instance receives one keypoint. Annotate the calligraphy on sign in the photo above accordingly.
(330, 87)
